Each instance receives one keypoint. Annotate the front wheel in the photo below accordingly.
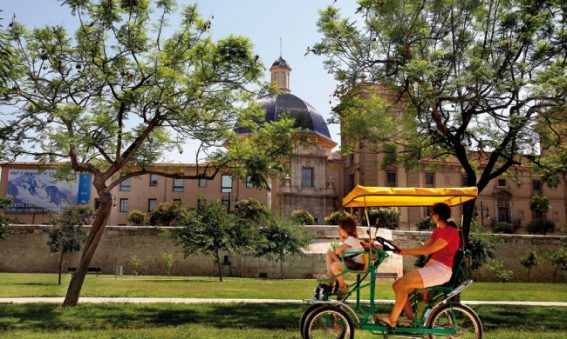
(328, 322)
(458, 317)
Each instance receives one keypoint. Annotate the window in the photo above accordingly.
(249, 182)
(429, 179)
(152, 203)
(391, 179)
(226, 183)
(504, 210)
(96, 203)
(153, 179)
(202, 182)
(501, 182)
(351, 181)
(126, 185)
(226, 203)
(123, 205)
(307, 177)
(178, 185)
(536, 186)
(428, 210)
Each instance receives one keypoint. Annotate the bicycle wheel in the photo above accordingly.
(462, 317)
(326, 322)
(306, 315)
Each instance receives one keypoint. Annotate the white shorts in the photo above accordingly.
(435, 273)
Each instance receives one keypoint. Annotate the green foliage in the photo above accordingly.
(499, 272)
(541, 226)
(503, 227)
(67, 233)
(282, 238)
(4, 221)
(136, 262)
(425, 224)
(481, 247)
(389, 217)
(137, 217)
(439, 77)
(539, 205)
(558, 258)
(529, 260)
(168, 213)
(252, 210)
(168, 261)
(209, 229)
(333, 218)
(302, 217)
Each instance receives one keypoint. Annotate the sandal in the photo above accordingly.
(386, 320)
(342, 293)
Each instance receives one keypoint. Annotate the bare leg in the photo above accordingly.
(403, 287)
(338, 268)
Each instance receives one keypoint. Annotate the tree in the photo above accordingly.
(4, 221)
(67, 233)
(6, 62)
(482, 246)
(210, 229)
(558, 259)
(389, 217)
(539, 205)
(110, 99)
(476, 81)
(168, 261)
(529, 260)
(282, 238)
(251, 210)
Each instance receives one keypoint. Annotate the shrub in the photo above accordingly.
(302, 217)
(168, 213)
(425, 224)
(541, 226)
(137, 217)
(389, 217)
(558, 259)
(252, 210)
(481, 246)
(499, 272)
(503, 227)
(333, 218)
(168, 261)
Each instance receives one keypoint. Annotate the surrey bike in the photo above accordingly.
(437, 310)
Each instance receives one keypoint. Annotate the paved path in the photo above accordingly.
(102, 300)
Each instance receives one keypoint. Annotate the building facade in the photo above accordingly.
(317, 180)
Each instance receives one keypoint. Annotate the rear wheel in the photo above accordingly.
(328, 321)
(459, 317)
(305, 315)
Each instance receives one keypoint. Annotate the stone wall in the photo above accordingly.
(509, 252)
(26, 250)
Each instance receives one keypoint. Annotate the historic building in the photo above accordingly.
(317, 180)
(313, 182)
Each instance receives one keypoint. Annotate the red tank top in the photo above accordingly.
(447, 253)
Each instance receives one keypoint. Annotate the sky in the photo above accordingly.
(263, 21)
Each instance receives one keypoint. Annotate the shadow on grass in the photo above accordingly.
(101, 317)
(35, 284)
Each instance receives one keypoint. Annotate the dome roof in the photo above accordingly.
(281, 63)
(290, 105)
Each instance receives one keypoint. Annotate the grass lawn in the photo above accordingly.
(45, 285)
(229, 321)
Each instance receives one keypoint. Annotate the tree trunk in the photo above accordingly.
(91, 244)
(468, 212)
(217, 259)
(60, 266)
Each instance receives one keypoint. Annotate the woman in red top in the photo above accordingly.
(442, 246)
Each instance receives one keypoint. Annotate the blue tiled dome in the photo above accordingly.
(290, 105)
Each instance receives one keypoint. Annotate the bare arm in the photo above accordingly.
(428, 248)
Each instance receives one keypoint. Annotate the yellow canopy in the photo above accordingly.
(362, 196)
